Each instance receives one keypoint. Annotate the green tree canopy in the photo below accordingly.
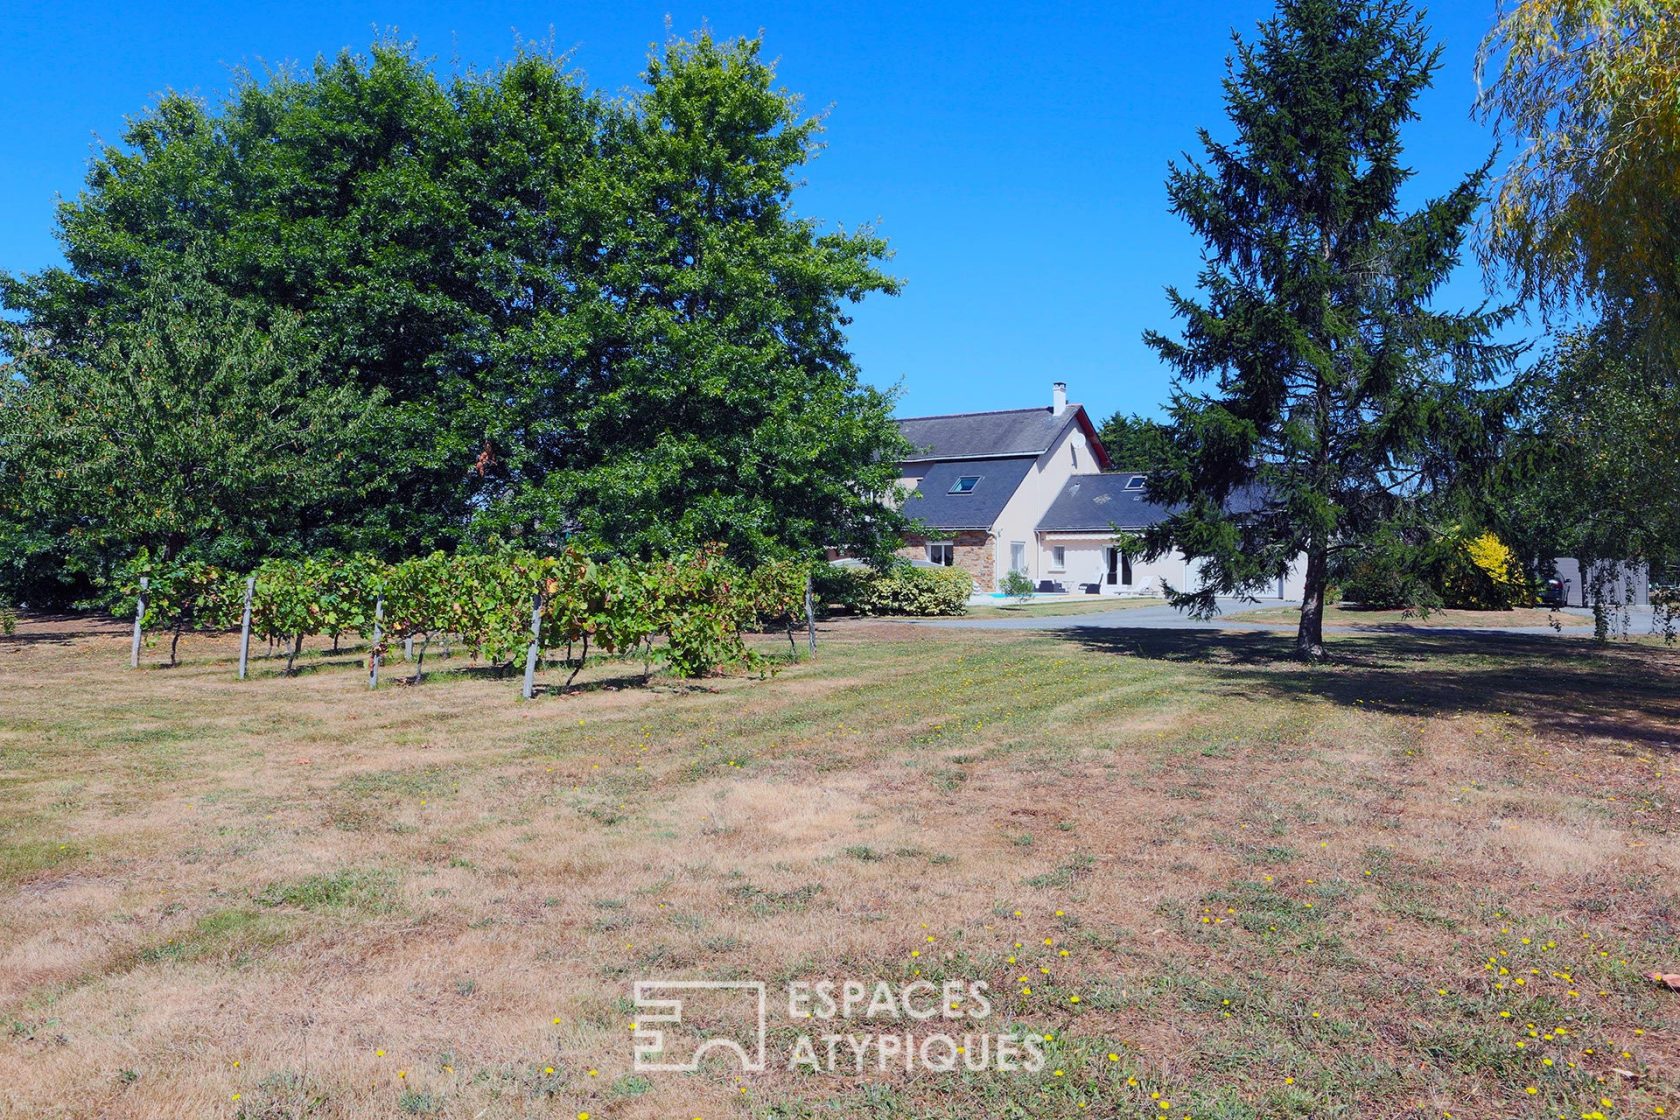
(1344, 403)
(714, 397)
(188, 427)
(1586, 95)
(574, 316)
(1133, 442)
(1595, 469)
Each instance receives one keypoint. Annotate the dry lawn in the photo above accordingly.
(1092, 604)
(1430, 880)
(1342, 614)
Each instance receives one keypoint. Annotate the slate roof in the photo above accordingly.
(934, 505)
(986, 435)
(1101, 503)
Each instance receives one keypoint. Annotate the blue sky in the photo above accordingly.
(1014, 156)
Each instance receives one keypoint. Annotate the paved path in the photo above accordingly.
(1162, 617)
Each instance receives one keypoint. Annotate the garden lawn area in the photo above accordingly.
(1428, 880)
(1343, 614)
(1045, 609)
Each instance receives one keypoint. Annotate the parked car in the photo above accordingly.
(1554, 592)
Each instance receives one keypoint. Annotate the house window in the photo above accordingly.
(964, 485)
(1136, 482)
(1126, 569)
(1018, 556)
(942, 554)
(1074, 452)
(1058, 558)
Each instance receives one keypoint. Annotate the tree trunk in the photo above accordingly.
(1309, 638)
(420, 662)
(173, 642)
(291, 658)
(583, 658)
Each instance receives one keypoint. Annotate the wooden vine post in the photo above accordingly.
(139, 616)
(373, 650)
(810, 616)
(245, 627)
(534, 650)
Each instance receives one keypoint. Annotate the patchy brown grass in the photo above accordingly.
(1343, 614)
(1280, 891)
(1078, 604)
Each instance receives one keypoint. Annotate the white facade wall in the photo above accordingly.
(1085, 560)
(1070, 455)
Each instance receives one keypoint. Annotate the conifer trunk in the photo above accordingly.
(1309, 638)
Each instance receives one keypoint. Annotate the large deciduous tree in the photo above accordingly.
(1341, 400)
(714, 396)
(346, 199)
(1595, 469)
(580, 317)
(190, 428)
(1586, 95)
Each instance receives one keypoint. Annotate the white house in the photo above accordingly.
(980, 481)
(1025, 490)
(1075, 537)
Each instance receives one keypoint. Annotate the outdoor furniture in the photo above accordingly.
(1051, 587)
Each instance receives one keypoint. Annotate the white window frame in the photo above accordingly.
(943, 553)
(1018, 549)
(1058, 558)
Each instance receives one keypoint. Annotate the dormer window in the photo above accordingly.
(965, 484)
(1136, 482)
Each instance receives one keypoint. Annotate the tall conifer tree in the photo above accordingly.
(1341, 403)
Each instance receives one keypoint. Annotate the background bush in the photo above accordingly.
(899, 589)
(1460, 568)
(1392, 574)
(1478, 572)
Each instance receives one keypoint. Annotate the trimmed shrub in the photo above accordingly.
(900, 589)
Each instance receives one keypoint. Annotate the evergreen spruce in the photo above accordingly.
(1341, 404)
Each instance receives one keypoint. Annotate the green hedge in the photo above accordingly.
(901, 589)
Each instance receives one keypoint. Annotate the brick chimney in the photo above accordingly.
(1058, 397)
